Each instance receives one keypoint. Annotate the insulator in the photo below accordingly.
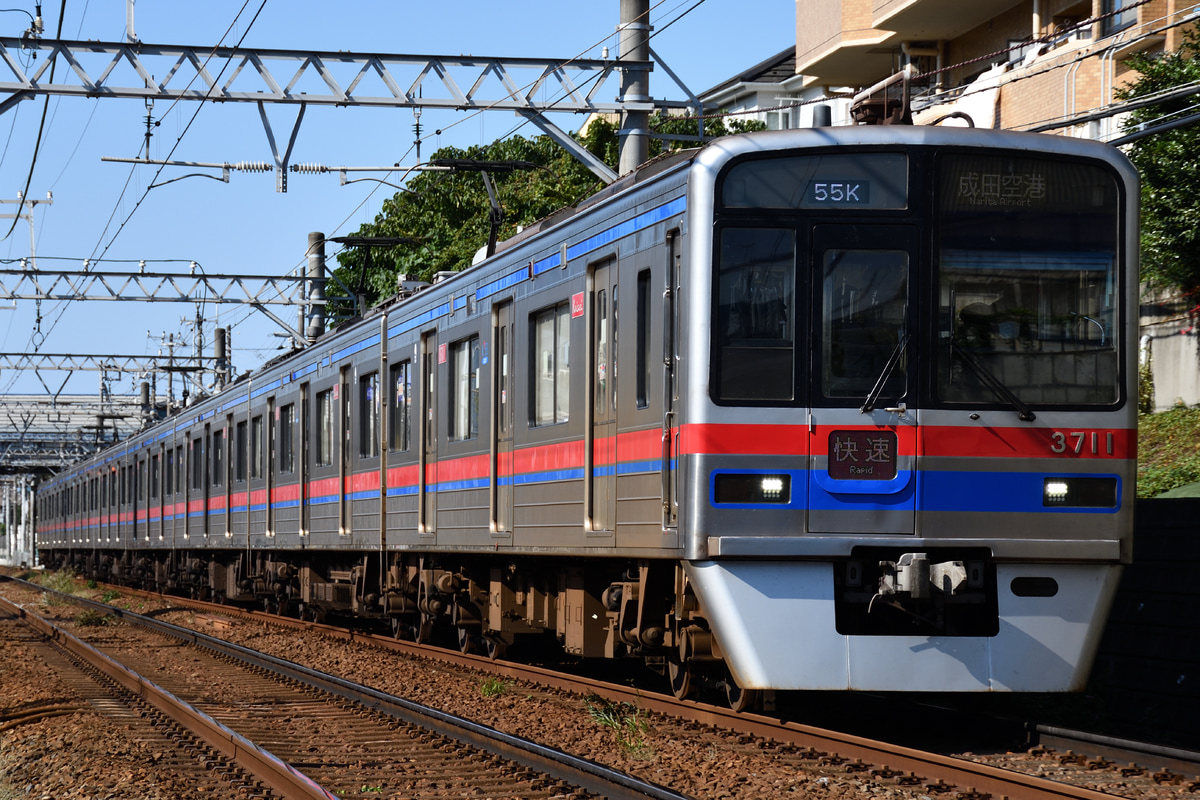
(252, 166)
(310, 168)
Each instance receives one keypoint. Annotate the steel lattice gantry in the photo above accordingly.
(42, 435)
(330, 78)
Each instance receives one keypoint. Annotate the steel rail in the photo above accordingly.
(894, 758)
(583, 773)
(264, 766)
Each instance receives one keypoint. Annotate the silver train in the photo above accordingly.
(841, 408)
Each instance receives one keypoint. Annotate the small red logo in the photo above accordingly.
(577, 305)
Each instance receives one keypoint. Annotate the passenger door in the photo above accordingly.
(602, 440)
(862, 436)
(431, 356)
(502, 426)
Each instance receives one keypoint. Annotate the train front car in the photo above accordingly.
(910, 435)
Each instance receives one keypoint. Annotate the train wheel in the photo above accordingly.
(494, 648)
(739, 699)
(681, 679)
(467, 641)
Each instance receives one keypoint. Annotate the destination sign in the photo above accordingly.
(838, 193)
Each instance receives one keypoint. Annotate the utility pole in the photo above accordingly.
(634, 44)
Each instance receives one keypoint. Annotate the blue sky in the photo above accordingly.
(245, 225)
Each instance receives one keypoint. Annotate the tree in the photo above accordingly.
(447, 214)
(1169, 167)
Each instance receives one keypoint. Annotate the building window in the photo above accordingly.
(464, 389)
(1117, 16)
(368, 416)
(552, 371)
(401, 405)
(324, 443)
(287, 450)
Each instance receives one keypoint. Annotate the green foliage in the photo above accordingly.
(1169, 168)
(109, 595)
(493, 687)
(1168, 450)
(628, 724)
(61, 581)
(89, 618)
(448, 214)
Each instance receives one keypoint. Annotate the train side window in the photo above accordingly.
(287, 450)
(401, 408)
(141, 479)
(256, 447)
(169, 472)
(643, 339)
(239, 452)
(197, 464)
(368, 415)
(464, 389)
(179, 469)
(218, 457)
(155, 474)
(552, 371)
(324, 443)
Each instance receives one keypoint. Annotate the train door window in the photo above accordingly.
(141, 480)
(552, 372)
(754, 343)
(155, 475)
(287, 451)
(863, 319)
(179, 469)
(197, 481)
(256, 447)
(218, 457)
(239, 452)
(401, 409)
(643, 339)
(368, 415)
(464, 389)
(324, 443)
(169, 471)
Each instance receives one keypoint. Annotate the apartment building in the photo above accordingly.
(1026, 65)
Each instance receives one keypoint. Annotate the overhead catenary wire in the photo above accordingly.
(62, 306)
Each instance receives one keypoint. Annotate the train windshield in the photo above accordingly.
(1027, 282)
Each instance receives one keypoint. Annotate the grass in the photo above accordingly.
(493, 687)
(1168, 450)
(61, 581)
(89, 618)
(627, 722)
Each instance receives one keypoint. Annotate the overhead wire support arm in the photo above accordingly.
(349, 79)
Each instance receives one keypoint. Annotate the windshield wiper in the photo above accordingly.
(888, 369)
(992, 382)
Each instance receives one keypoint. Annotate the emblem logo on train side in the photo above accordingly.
(862, 455)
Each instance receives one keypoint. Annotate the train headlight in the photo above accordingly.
(1056, 491)
(751, 488)
(1080, 492)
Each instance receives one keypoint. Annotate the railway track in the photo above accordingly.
(313, 735)
(787, 744)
